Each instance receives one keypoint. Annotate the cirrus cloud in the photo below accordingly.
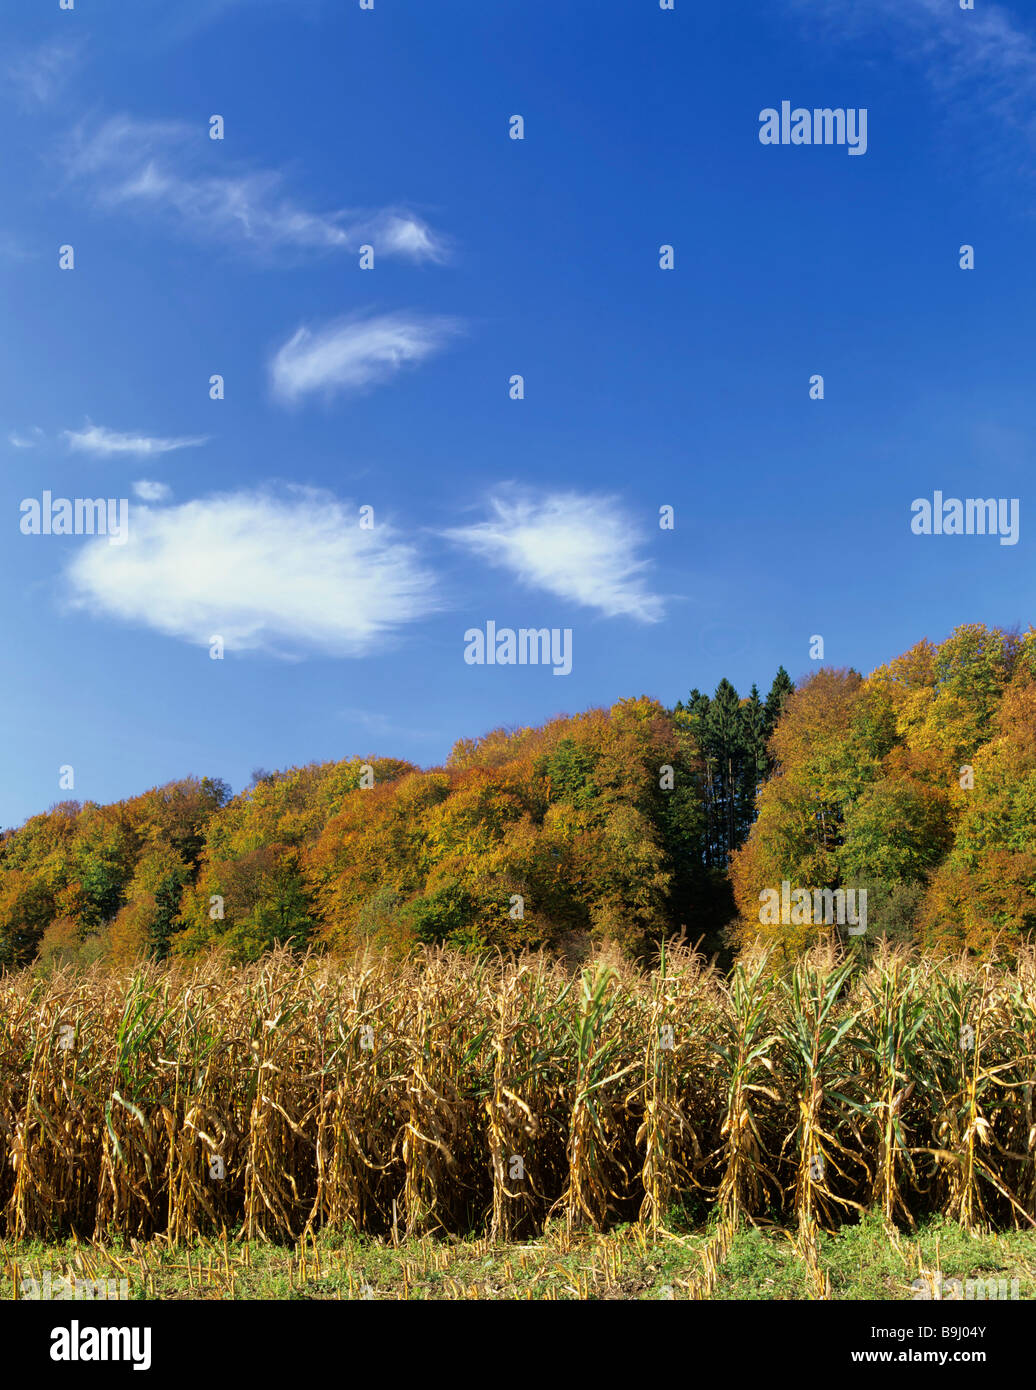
(982, 59)
(103, 442)
(37, 75)
(352, 354)
(27, 439)
(158, 167)
(578, 546)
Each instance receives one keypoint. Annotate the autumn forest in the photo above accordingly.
(628, 825)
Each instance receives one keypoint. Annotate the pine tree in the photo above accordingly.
(782, 687)
(697, 708)
(725, 733)
(756, 762)
(733, 735)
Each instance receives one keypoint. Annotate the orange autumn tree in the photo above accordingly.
(250, 892)
(521, 839)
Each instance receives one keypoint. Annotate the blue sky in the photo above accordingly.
(389, 387)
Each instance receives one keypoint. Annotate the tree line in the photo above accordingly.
(630, 824)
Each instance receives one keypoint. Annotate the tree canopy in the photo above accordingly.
(630, 824)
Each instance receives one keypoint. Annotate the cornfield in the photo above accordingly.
(457, 1095)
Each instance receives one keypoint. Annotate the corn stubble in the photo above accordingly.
(455, 1095)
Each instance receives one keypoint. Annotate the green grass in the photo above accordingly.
(861, 1261)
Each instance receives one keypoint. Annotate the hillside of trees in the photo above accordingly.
(632, 824)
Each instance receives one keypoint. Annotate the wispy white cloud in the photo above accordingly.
(180, 23)
(12, 249)
(103, 442)
(352, 354)
(985, 50)
(37, 75)
(26, 439)
(580, 547)
(381, 726)
(398, 233)
(165, 168)
(286, 574)
(149, 491)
